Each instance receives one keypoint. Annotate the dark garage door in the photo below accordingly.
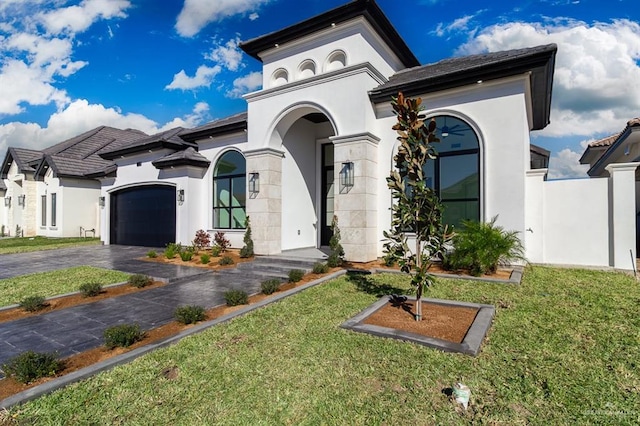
(143, 216)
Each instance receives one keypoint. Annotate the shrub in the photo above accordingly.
(139, 280)
(389, 259)
(202, 240)
(226, 260)
(205, 258)
(186, 255)
(336, 257)
(247, 249)
(171, 251)
(152, 254)
(270, 286)
(90, 289)
(221, 241)
(33, 303)
(29, 366)
(215, 251)
(123, 335)
(236, 297)
(189, 314)
(480, 247)
(295, 275)
(320, 268)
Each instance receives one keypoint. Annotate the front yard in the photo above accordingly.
(563, 349)
(27, 244)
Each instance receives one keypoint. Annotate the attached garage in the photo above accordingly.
(143, 216)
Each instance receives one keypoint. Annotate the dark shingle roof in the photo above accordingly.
(188, 157)
(24, 158)
(231, 124)
(461, 71)
(166, 139)
(365, 8)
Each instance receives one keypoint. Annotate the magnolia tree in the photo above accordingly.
(417, 210)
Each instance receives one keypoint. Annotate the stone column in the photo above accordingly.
(356, 207)
(622, 207)
(265, 207)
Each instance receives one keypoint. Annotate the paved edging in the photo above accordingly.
(84, 373)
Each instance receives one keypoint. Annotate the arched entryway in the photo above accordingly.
(143, 216)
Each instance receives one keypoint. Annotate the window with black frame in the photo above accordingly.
(230, 191)
(455, 173)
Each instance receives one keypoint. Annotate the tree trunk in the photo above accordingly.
(420, 284)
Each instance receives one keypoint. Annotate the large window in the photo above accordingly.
(54, 208)
(230, 191)
(455, 173)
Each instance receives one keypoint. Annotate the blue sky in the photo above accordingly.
(67, 66)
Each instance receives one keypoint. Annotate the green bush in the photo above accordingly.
(320, 268)
(90, 289)
(236, 297)
(33, 303)
(205, 258)
(295, 275)
(123, 335)
(480, 247)
(152, 254)
(270, 286)
(226, 260)
(186, 255)
(29, 366)
(247, 250)
(139, 280)
(171, 251)
(189, 314)
(215, 251)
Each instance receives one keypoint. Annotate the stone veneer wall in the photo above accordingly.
(357, 208)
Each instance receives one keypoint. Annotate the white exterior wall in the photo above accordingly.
(22, 215)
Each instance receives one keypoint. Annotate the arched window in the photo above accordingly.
(230, 191)
(455, 173)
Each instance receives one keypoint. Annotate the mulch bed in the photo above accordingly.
(196, 260)
(436, 268)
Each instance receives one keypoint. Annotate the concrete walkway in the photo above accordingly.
(76, 329)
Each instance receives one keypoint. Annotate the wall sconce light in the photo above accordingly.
(21, 199)
(254, 182)
(101, 201)
(181, 196)
(7, 201)
(346, 176)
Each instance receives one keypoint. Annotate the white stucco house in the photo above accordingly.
(317, 141)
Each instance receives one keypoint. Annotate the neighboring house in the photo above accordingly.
(50, 192)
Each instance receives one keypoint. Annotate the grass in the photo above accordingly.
(27, 244)
(48, 284)
(563, 349)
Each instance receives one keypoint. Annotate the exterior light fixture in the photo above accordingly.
(346, 176)
(254, 182)
(21, 199)
(7, 201)
(445, 131)
(101, 201)
(181, 196)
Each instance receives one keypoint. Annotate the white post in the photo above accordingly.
(623, 214)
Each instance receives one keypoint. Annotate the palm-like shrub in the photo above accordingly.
(481, 247)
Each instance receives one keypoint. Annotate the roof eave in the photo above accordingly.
(181, 162)
(157, 144)
(192, 137)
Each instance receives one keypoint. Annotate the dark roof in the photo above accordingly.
(167, 139)
(232, 124)
(24, 158)
(614, 142)
(539, 150)
(461, 71)
(365, 8)
(187, 157)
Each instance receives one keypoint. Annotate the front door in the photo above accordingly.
(327, 194)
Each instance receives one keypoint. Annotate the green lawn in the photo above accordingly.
(13, 290)
(564, 349)
(22, 245)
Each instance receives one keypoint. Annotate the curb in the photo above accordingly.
(84, 373)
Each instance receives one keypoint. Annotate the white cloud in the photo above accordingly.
(203, 78)
(196, 14)
(76, 19)
(80, 116)
(597, 76)
(246, 84)
(227, 55)
(253, 16)
(565, 164)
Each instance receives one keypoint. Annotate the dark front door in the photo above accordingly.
(327, 206)
(143, 216)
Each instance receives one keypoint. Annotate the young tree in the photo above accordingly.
(416, 208)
